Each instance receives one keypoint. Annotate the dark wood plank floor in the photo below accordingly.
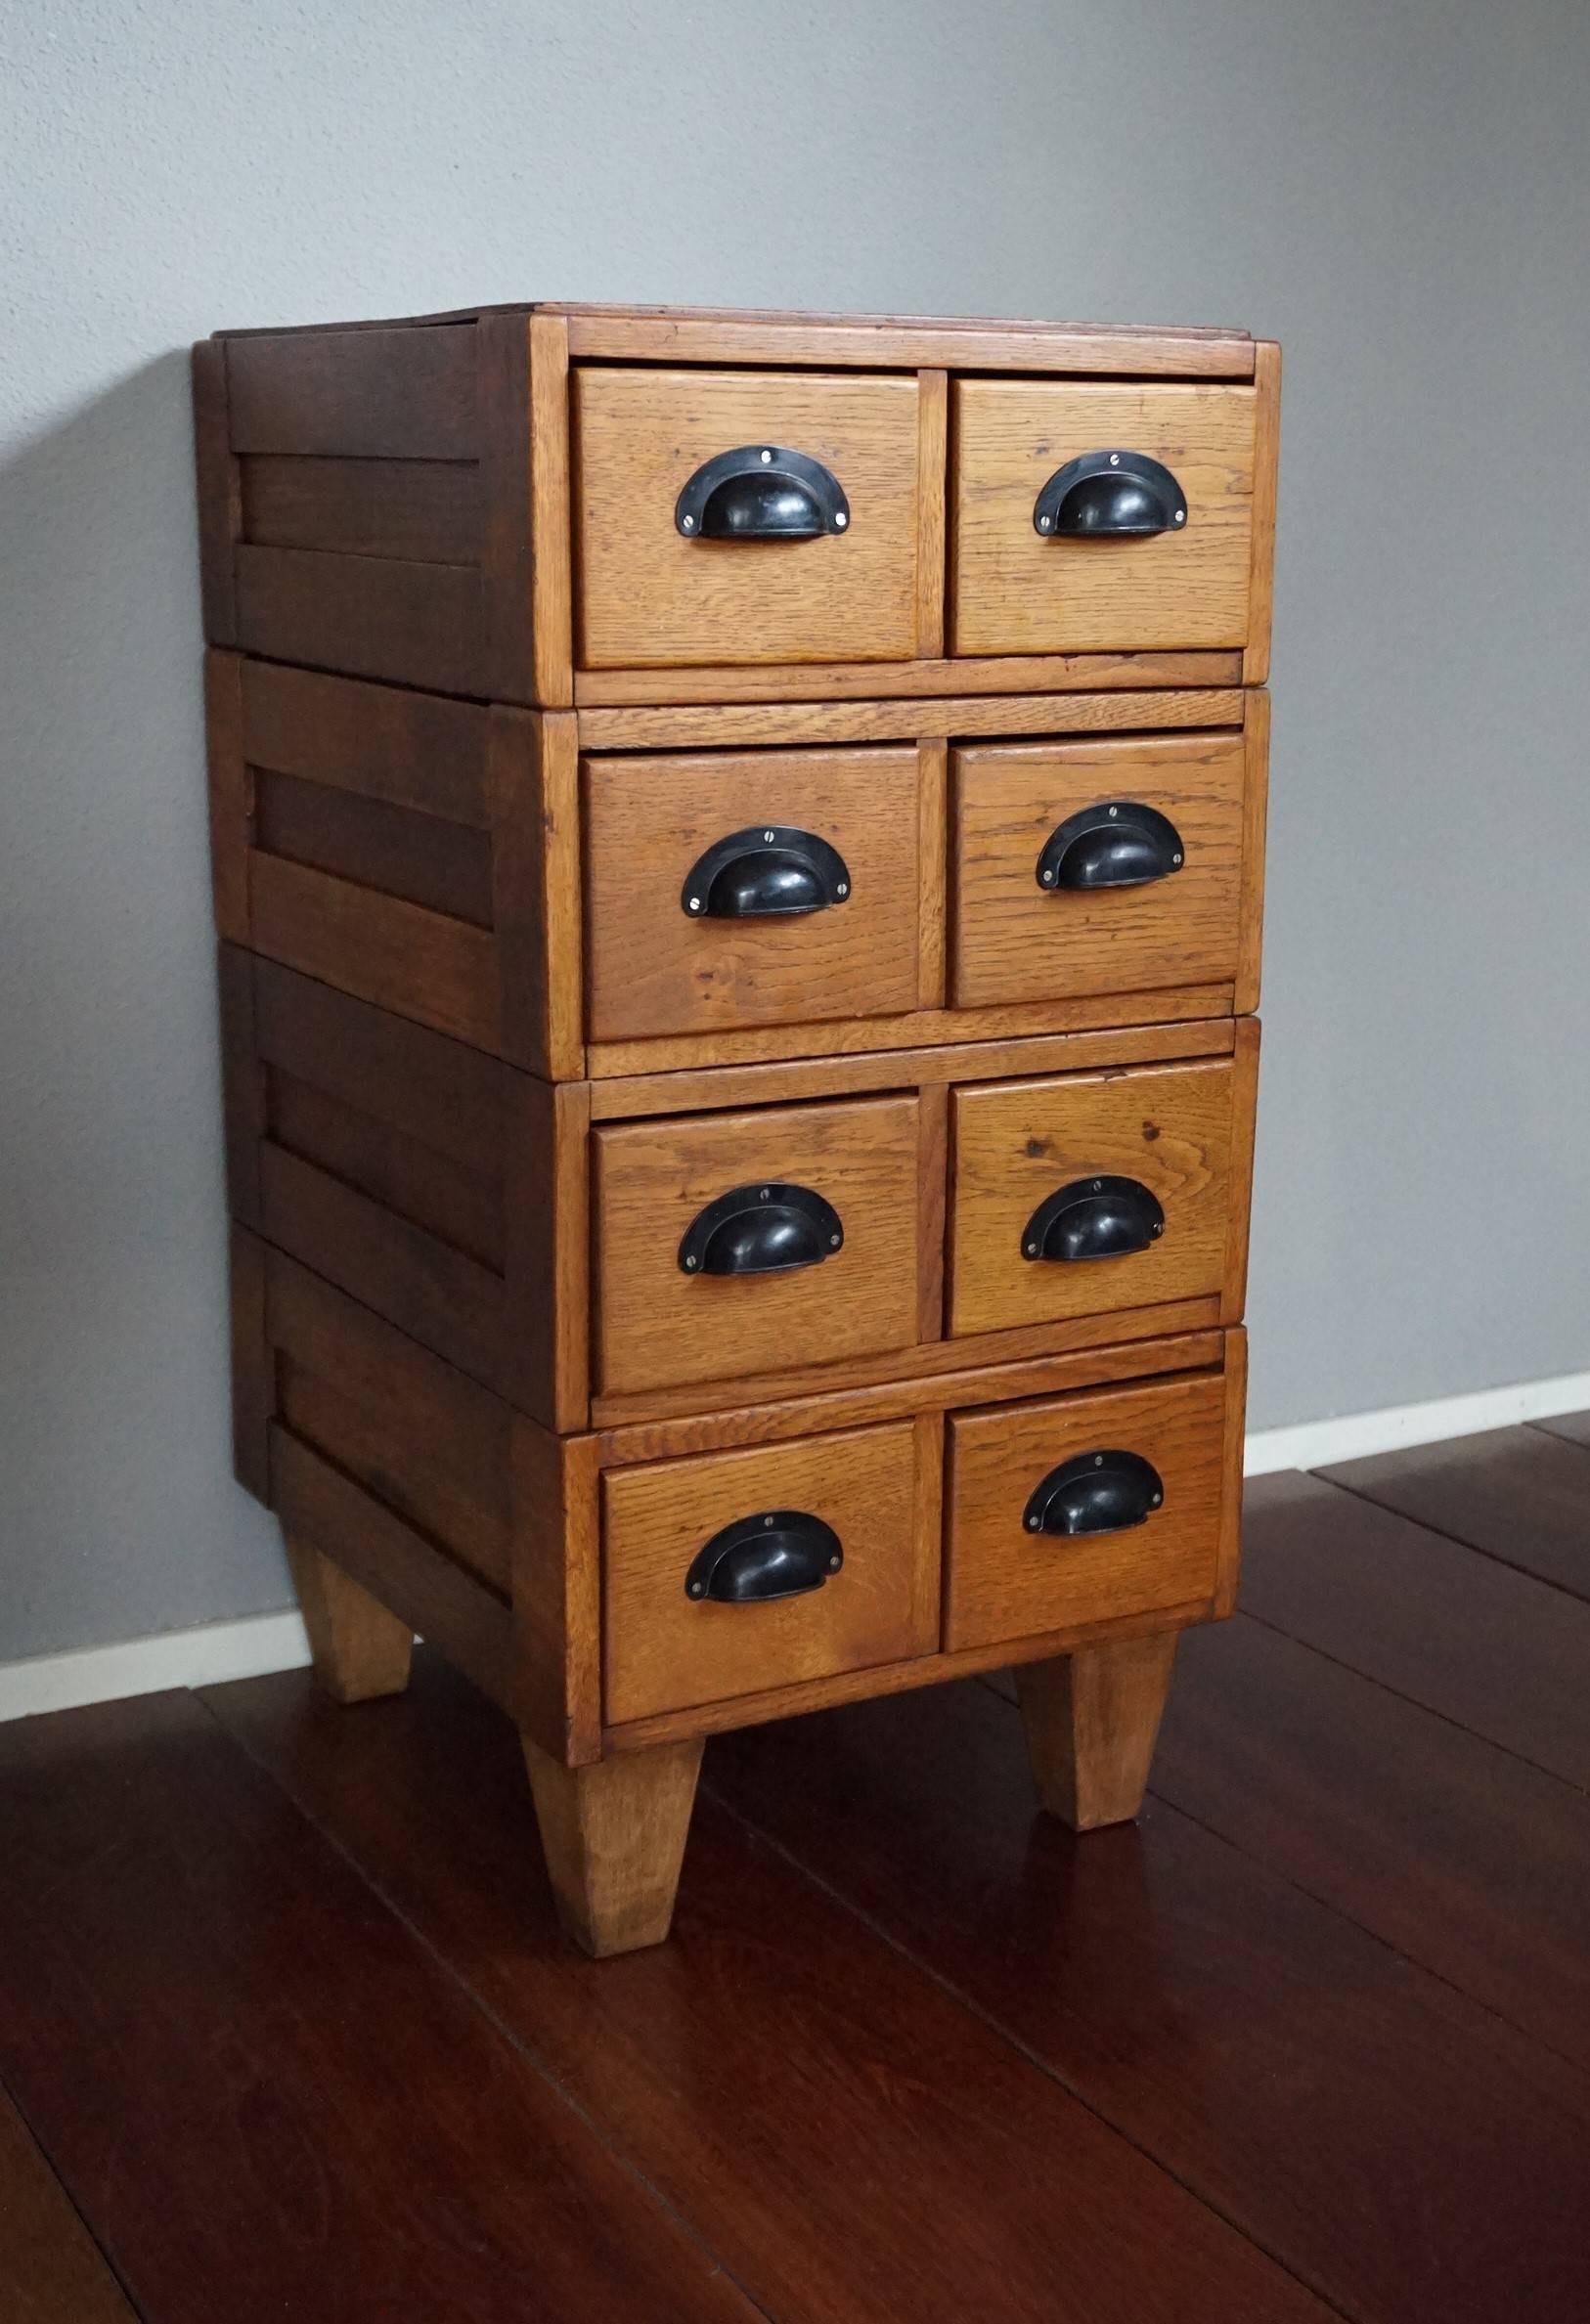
(287, 2029)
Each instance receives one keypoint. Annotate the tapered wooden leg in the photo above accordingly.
(360, 1649)
(1091, 1720)
(615, 1836)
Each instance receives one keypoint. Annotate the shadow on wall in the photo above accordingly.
(122, 1515)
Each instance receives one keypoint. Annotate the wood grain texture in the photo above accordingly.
(1460, 1634)
(431, 511)
(421, 625)
(220, 503)
(662, 336)
(533, 786)
(1236, 1413)
(933, 871)
(1012, 591)
(548, 1288)
(1471, 1862)
(1256, 659)
(685, 1091)
(508, 558)
(243, 1081)
(1003, 1583)
(931, 485)
(410, 1430)
(650, 596)
(219, 2031)
(932, 1197)
(398, 1567)
(1523, 1501)
(422, 964)
(1015, 942)
(849, 2141)
(665, 1651)
(966, 676)
(360, 1651)
(1244, 1119)
(51, 2270)
(253, 1396)
(1393, 2144)
(380, 394)
(460, 1203)
(1256, 740)
(231, 793)
(653, 968)
(932, 1378)
(551, 578)
(1091, 1720)
(447, 867)
(907, 719)
(660, 1326)
(614, 1840)
(847, 1037)
(1170, 1128)
(556, 1591)
(392, 743)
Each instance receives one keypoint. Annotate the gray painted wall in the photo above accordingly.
(1399, 193)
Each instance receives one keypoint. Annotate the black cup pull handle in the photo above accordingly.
(780, 1553)
(771, 872)
(1102, 1492)
(761, 1230)
(1118, 844)
(1109, 495)
(761, 491)
(1093, 1218)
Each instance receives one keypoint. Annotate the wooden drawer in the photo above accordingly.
(1008, 1577)
(1176, 918)
(807, 906)
(1144, 1174)
(651, 595)
(672, 1641)
(1016, 591)
(796, 1300)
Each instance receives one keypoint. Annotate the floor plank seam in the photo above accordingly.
(1322, 1476)
(139, 2312)
(516, 2041)
(1013, 2041)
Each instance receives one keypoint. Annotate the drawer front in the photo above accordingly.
(1009, 1576)
(1017, 591)
(805, 902)
(793, 1297)
(650, 596)
(1039, 831)
(688, 1553)
(1060, 1185)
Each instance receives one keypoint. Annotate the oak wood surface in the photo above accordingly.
(658, 1326)
(1011, 674)
(933, 871)
(1091, 1720)
(614, 1839)
(1466, 1636)
(532, 772)
(1398, 2146)
(932, 473)
(396, 618)
(416, 962)
(648, 595)
(230, 793)
(430, 511)
(1244, 1126)
(557, 1593)
(845, 1037)
(653, 968)
(393, 743)
(1003, 1583)
(547, 1273)
(502, 388)
(1015, 941)
(219, 497)
(220, 2035)
(666, 1651)
(244, 1081)
(51, 2270)
(1524, 1501)
(672, 337)
(849, 2141)
(1014, 590)
(1256, 659)
(447, 867)
(1456, 1853)
(666, 726)
(459, 1202)
(360, 1651)
(376, 394)
(1167, 1128)
(687, 1091)
(1255, 737)
(252, 1391)
(551, 513)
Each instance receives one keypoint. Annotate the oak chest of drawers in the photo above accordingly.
(739, 851)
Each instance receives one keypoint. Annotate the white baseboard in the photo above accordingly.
(247, 1649)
